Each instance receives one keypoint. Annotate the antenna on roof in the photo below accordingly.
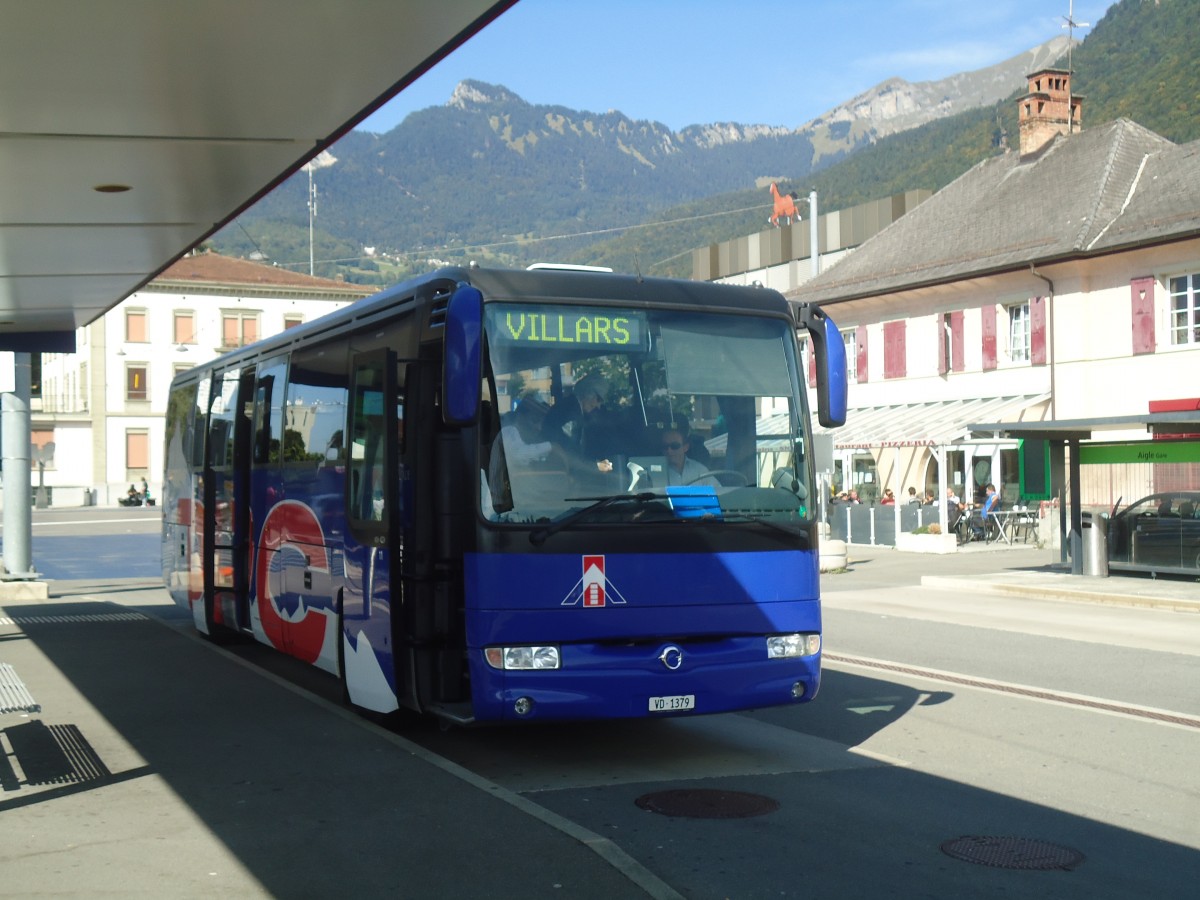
(1070, 24)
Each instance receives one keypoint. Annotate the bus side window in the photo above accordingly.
(370, 415)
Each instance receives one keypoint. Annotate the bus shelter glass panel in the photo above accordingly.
(588, 403)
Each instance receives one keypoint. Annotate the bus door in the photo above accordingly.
(376, 672)
(266, 460)
(227, 514)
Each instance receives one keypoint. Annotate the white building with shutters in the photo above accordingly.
(1057, 283)
(97, 413)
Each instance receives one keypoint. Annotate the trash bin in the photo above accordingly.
(1095, 546)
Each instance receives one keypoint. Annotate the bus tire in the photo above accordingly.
(217, 633)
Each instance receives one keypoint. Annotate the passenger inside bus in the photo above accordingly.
(573, 424)
(535, 470)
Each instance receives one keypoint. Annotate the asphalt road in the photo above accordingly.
(1055, 741)
(96, 543)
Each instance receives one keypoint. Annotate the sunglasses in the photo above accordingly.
(672, 445)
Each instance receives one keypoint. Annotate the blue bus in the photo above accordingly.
(488, 495)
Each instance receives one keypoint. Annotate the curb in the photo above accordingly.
(1049, 591)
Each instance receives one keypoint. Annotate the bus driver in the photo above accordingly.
(681, 469)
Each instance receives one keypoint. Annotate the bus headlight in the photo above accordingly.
(789, 646)
(522, 657)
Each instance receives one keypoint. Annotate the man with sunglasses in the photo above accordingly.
(681, 469)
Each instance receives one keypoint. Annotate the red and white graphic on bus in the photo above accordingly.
(291, 539)
(593, 589)
(593, 581)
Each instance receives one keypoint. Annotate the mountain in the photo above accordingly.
(485, 173)
(897, 105)
(1135, 63)
(488, 176)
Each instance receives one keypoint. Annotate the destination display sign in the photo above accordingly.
(615, 329)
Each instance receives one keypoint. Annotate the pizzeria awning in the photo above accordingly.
(933, 423)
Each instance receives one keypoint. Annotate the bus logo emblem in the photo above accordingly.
(593, 581)
(593, 590)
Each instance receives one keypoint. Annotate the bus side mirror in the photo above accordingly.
(829, 352)
(461, 353)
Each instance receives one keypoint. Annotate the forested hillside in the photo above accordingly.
(1134, 64)
(491, 177)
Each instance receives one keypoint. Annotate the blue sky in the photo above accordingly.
(766, 62)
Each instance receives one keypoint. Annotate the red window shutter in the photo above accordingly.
(958, 354)
(988, 320)
(1141, 297)
(812, 364)
(860, 342)
(1037, 331)
(893, 349)
(942, 321)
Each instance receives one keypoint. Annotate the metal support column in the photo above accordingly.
(15, 437)
(1076, 511)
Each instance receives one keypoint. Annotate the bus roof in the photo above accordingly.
(545, 285)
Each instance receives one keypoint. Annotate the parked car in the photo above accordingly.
(1159, 533)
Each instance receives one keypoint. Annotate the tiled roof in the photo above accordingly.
(1096, 191)
(213, 268)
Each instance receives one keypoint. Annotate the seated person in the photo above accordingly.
(954, 515)
(982, 527)
(682, 469)
(522, 465)
(521, 431)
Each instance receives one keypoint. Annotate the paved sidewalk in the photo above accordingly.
(1014, 571)
(159, 766)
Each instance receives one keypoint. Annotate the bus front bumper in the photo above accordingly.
(645, 680)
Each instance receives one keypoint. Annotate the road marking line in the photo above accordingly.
(1162, 716)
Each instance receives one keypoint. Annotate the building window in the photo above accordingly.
(238, 329)
(1185, 309)
(851, 355)
(291, 321)
(42, 444)
(185, 328)
(135, 383)
(1018, 332)
(35, 375)
(83, 387)
(137, 450)
(135, 326)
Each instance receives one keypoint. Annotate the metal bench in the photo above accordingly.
(14, 696)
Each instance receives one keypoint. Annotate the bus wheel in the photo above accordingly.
(215, 632)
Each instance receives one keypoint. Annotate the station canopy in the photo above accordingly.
(130, 130)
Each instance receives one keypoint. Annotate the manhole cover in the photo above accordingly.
(707, 804)
(1012, 852)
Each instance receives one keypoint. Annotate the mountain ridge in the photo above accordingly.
(497, 179)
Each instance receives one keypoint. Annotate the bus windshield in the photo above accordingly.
(665, 415)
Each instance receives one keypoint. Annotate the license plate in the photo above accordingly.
(672, 704)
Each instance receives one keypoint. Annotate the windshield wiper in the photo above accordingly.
(538, 536)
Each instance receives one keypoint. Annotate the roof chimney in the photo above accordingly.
(1048, 109)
